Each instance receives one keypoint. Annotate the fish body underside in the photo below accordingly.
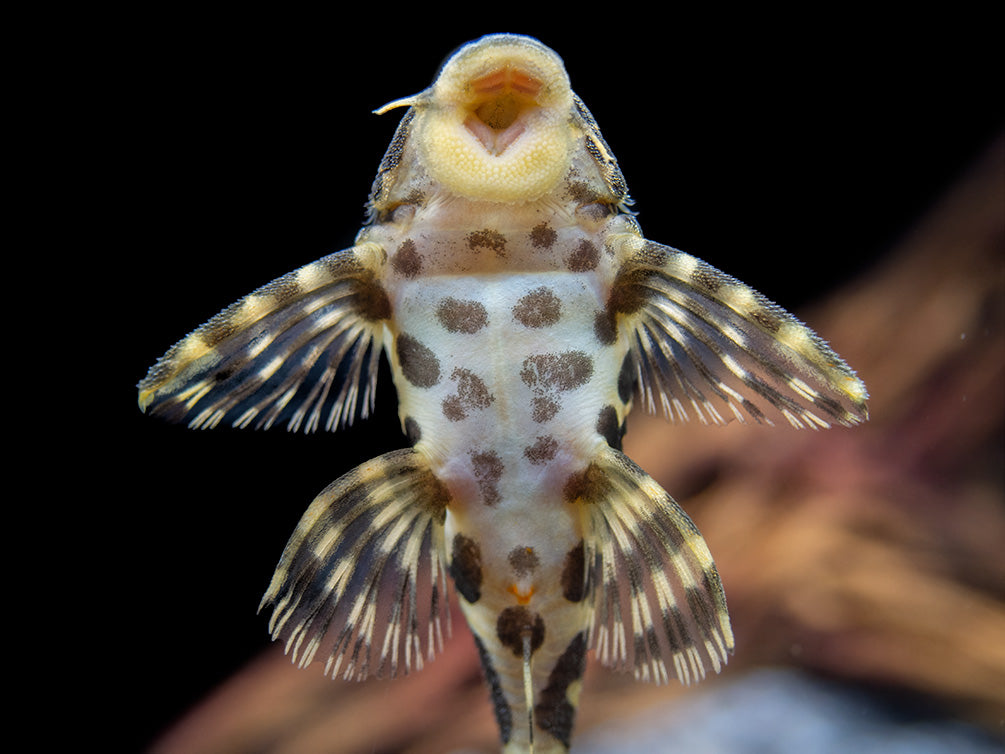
(523, 313)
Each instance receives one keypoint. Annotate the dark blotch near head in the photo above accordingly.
(487, 239)
(513, 623)
(406, 261)
(466, 568)
(542, 236)
(583, 258)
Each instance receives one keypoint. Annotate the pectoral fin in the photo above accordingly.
(301, 348)
(658, 603)
(363, 577)
(706, 343)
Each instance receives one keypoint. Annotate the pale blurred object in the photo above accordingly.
(874, 555)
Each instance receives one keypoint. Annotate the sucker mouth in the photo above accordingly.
(499, 103)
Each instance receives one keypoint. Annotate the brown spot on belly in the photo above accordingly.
(542, 451)
(549, 374)
(513, 623)
(543, 410)
(539, 308)
(466, 568)
(554, 712)
(561, 372)
(472, 394)
(574, 574)
(461, 316)
(492, 240)
(407, 261)
(419, 364)
(488, 468)
(583, 258)
(542, 236)
(523, 560)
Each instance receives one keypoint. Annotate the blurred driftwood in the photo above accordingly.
(873, 554)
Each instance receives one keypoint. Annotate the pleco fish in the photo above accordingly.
(522, 312)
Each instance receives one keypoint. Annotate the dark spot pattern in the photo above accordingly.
(523, 560)
(542, 451)
(466, 568)
(626, 378)
(539, 308)
(472, 394)
(543, 410)
(582, 192)
(608, 426)
(372, 301)
(492, 240)
(574, 574)
(543, 236)
(461, 316)
(488, 468)
(504, 715)
(407, 261)
(412, 431)
(554, 712)
(419, 364)
(513, 623)
(605, 327)
(548, 374)
(561, 372)
(586, 486)
(628, 294)
(583, 258)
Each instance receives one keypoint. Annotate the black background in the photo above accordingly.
(790, 151)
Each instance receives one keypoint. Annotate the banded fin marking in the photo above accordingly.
(363, 578)
(704, 341)
(657, 601)
(278, 353)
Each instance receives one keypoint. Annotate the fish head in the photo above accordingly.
(494, 125)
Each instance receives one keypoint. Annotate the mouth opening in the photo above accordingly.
(500, 99)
